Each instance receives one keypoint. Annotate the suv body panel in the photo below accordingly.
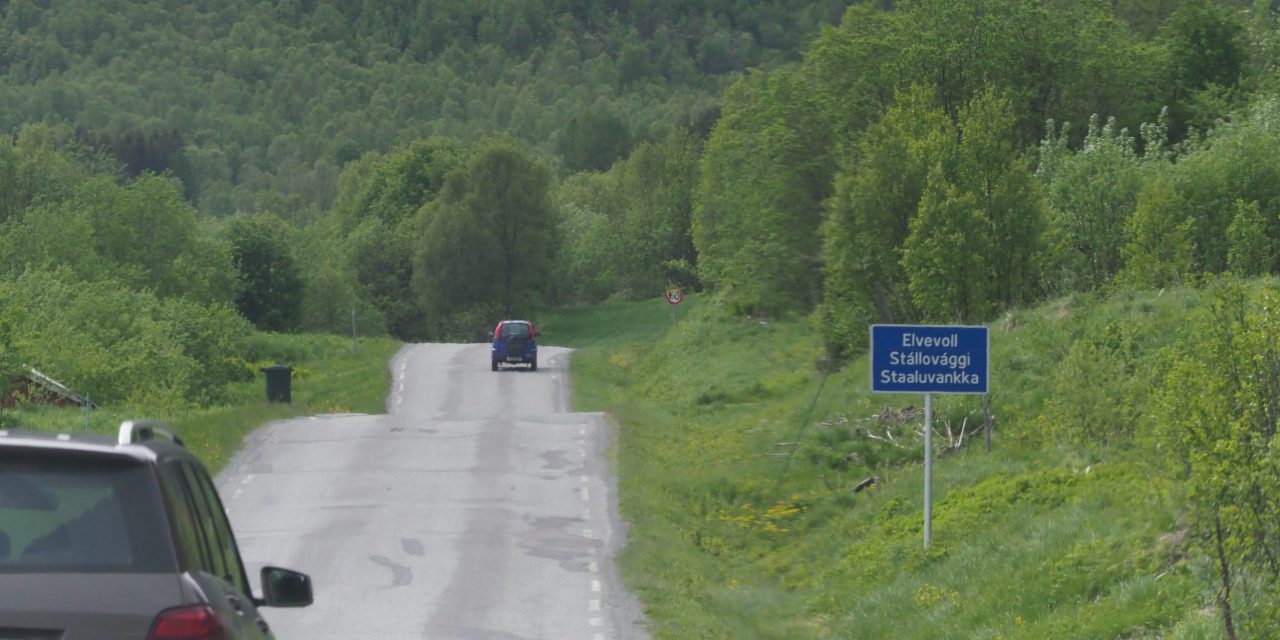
(86, 605)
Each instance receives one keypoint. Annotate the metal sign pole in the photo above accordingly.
(928, 468)
(674, 297)
(929, 359)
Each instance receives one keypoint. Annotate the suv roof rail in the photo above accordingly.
(132, 431)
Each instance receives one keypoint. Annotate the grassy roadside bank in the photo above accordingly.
(328, 377)
(737, 464)
(739, 456)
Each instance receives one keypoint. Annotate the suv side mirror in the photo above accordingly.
(285, 588)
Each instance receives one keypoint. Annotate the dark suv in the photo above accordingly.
(514, 342)
(106, 539)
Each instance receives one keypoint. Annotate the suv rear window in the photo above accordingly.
(76, 513)
(515, 330)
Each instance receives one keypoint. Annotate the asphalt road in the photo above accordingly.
(477, 508)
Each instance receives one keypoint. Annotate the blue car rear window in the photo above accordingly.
(515, 330)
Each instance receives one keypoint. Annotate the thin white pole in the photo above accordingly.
(928, 468)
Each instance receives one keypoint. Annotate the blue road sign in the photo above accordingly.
(928, 359)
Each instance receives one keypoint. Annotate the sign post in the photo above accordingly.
(674, 297)
(929, 359)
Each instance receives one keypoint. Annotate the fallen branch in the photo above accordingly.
(888, 437)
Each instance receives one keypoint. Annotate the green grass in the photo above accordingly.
(737, 453)
(735, 478)
(329, 377)
(600, 325)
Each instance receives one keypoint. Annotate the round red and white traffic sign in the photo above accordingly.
(674, 295)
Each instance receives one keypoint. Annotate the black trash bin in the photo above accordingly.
(279, 380)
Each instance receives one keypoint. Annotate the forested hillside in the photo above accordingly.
(270, 162)
(258, 105)
(178, 176)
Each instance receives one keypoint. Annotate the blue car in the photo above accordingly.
(514, 342)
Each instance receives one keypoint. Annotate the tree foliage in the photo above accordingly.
(990, 165)
(1220, 405)
(1251, 250)
(392, 188)
(259, 105)
(376, 220)
(757, 208)
(487, 242)
(119, 345)
(939, 220)
(271, 293)
(946, 270)
(1158, 252)
(1207, 54)
(593, 141)
(869, 217)
(627, 231)
(1236, 162)
(1090, 195)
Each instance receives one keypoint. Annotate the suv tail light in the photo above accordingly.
(188, 623)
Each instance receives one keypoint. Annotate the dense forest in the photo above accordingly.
(259, 105)
(178, 175)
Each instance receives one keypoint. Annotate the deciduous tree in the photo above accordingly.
(1219, 408)
(868, 219)
(1159, 250)
(488, 239)
(757, 208)
(1091, 193)
(271, 297)
(946, 266)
